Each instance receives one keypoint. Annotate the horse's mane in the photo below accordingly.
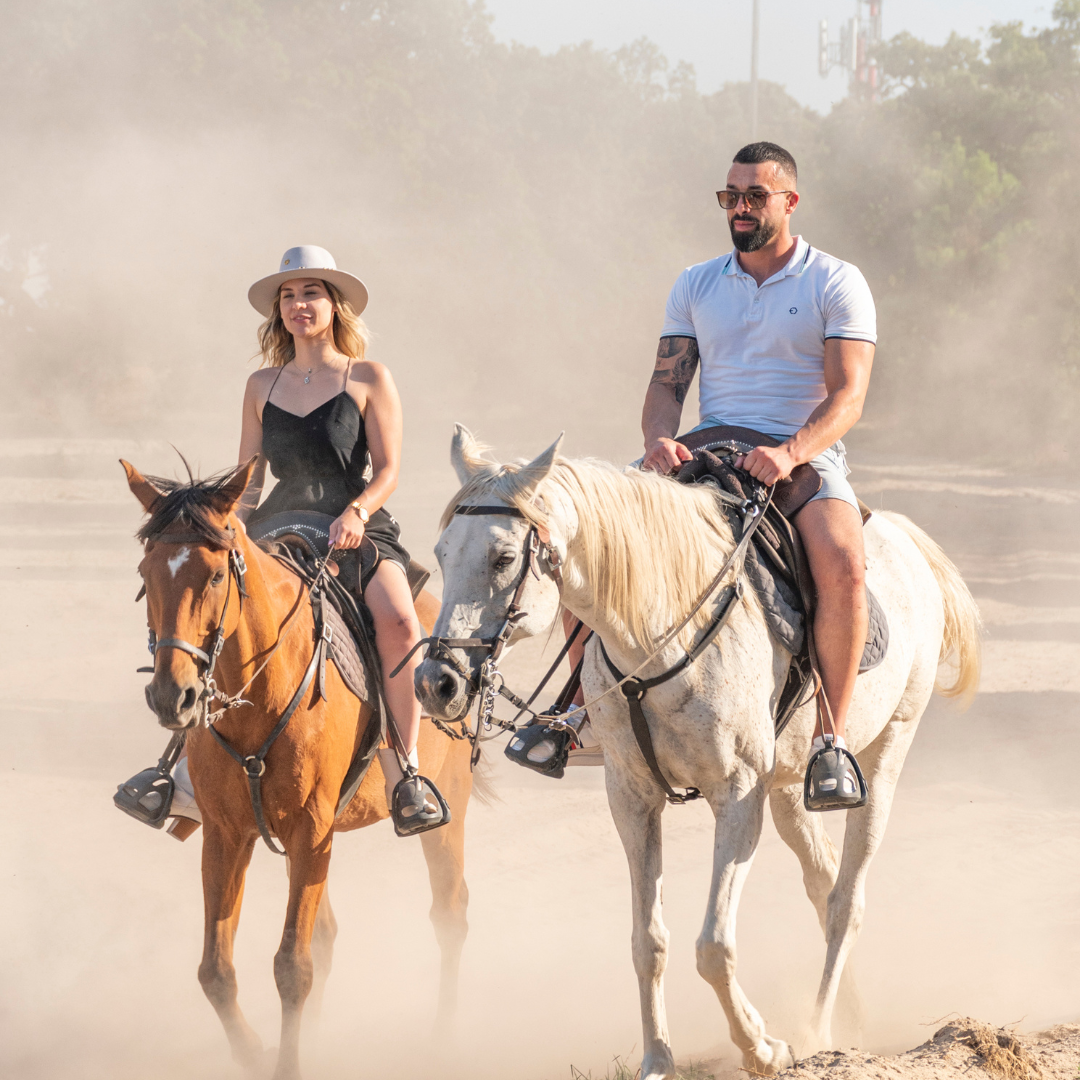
(648, 545)
(194, 505)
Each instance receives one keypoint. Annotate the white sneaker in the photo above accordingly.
(183, 800)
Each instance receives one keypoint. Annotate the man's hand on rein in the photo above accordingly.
(665, 456)
(769, 464)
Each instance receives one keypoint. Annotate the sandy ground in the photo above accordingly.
(972, 903)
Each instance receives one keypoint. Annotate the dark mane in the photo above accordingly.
(191, 506)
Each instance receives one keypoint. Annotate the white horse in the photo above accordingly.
(637, 550)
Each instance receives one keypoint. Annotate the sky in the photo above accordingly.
(714, 35)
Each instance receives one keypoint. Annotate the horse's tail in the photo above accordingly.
(961, 644)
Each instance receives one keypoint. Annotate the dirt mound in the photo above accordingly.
(961, 1048)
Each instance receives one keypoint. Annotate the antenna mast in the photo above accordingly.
(856, 51)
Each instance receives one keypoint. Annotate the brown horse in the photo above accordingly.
(187, 582)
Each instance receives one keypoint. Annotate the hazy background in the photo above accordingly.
(519, 216)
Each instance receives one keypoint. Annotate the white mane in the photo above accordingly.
(647, 545)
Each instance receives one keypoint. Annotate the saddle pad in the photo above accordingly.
(791, 495)
(346, 656)
(877, 635)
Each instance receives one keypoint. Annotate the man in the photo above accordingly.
(785, 337)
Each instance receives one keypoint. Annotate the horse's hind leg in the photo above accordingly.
(225, 860)
(444, 851)
(863, 833)
(805, 834)
(738, 829)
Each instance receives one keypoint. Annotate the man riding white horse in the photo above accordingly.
(785, 337)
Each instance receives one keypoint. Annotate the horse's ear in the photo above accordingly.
(228, 498)
(141, 488)
(467, 456)
(529, 477)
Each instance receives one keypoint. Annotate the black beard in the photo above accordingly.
(754, 240)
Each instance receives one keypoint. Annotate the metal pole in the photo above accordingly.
(753, 73)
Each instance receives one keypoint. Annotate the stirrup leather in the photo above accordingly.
(829, 774)
(417, 793)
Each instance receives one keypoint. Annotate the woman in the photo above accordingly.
(315, 411)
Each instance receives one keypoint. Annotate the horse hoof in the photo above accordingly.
(769, 1057)
(660, 1068)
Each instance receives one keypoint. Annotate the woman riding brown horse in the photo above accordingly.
(318, 411)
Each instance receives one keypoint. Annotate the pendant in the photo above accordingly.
(307, 378)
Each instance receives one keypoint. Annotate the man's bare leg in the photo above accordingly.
(831, 532)
(577, 649)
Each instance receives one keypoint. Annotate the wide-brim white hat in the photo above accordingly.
(307, 261)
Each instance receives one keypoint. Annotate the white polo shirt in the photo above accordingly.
(762, 348)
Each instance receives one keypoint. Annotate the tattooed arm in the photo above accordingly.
(676, 362)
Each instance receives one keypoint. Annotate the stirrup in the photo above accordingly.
(147, 796)
(531, 740)
(428, 808)
(834, 780)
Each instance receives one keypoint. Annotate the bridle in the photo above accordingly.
(206, 659)
(538, 554)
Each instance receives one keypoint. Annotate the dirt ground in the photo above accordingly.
(972, 903)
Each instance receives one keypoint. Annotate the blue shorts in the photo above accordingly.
(830, 465)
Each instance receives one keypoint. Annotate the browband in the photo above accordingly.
(476, 511)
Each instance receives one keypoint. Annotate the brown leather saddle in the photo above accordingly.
(776, 564)
(310, 531)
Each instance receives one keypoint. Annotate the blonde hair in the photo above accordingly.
(351, 336)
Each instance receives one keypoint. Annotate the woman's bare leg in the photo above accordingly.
(397, 630)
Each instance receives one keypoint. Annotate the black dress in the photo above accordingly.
(319, 461)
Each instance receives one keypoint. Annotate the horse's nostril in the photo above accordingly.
(188, 700)
(446, 687)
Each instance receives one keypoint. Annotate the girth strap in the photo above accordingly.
(254, 765)
(635, 689)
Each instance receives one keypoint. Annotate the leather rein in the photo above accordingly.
(254, 765)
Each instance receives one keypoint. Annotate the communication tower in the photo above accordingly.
(856, 51)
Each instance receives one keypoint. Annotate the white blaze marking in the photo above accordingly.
(179, 559)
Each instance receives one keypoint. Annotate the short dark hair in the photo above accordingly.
(757, 153)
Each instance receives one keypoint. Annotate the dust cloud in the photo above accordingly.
(518, 220)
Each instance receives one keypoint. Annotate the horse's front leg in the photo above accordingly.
(636, 808)
(309, 860)
(739, 815)
(225, 859)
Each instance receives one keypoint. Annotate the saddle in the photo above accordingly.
(775, 561)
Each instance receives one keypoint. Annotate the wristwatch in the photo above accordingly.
(361, 510)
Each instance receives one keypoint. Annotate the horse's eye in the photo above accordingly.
(218, 578)
(504, 562)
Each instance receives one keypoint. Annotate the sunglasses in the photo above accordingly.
(755, 200)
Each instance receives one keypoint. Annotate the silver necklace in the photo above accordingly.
(307, 377)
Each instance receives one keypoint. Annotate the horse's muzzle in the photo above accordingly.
(441, 691)
(176, 706)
